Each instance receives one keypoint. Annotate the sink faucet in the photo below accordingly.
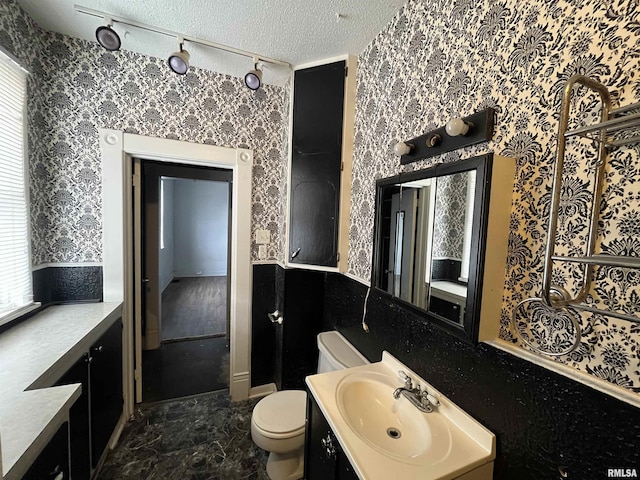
(420, 399)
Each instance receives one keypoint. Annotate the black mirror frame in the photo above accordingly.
(483, 166)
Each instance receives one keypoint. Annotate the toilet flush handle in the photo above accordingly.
(276, 317)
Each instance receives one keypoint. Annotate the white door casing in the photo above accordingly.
(117, 149)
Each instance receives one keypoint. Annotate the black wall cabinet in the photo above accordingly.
(94, 416)
(324, 458)
(318, 106)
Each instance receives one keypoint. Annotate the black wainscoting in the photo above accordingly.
(303, 317)
(67, 284)
(285, 354)
(445, 269)
(542, 420)
(263, 332)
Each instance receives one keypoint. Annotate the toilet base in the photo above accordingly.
(286, 466)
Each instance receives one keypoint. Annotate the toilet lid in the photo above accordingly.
(281, 412)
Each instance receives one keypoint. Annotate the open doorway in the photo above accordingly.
(185, 216)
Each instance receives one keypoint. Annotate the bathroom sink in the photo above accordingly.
(395, 428)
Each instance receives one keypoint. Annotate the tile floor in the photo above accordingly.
(200, 438)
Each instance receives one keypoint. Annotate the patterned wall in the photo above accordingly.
(440, 59)
(449, 216)
(83, 87)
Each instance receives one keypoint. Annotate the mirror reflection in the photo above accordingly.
(425, 235)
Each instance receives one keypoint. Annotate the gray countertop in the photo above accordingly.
(33, 355)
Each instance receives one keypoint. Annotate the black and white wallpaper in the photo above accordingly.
(440, 59)
(78, 87)
(449, 216)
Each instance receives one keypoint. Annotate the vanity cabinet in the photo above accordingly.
(321, 146)
(53, 461)
(324, 458)
(94, 416)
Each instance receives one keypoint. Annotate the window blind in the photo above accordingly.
(16, 290)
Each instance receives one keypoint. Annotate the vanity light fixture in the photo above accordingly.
(107, 36)
(457, 127)
(253, 79)
(457, 133)
(179, 61)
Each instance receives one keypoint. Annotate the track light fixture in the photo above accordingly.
(107, 37)
(179, 61)
(253, 79)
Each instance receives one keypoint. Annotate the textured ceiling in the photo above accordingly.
(295, 31)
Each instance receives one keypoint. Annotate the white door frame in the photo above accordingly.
(117, 149)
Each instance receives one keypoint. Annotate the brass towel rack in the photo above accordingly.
(614, 130)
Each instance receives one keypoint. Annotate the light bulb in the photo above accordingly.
(402, 148)
(456, 126)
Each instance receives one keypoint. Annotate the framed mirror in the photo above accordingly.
(431, 237)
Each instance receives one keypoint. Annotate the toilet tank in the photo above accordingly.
(336, 353)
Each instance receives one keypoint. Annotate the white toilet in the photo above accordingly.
(277, 423)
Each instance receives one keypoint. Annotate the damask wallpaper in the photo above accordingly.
(80, 87)
(449, 216)
(440, 59)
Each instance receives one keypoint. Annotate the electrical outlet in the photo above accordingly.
(263, 237)
(262, 252)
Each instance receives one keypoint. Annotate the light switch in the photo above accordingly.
(262, 252)
(263, 237)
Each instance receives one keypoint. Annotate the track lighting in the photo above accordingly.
(179, 61)
(107, 37)
(253, 79)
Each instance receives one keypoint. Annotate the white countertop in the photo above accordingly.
(33, 355)
(450, 287)
(472, 445)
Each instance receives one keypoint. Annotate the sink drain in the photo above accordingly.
(394, 433)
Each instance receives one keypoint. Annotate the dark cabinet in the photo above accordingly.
(106, 388)
(317, 138)
(53, 461)
(94, 416)
(324, 458)
(79, 433)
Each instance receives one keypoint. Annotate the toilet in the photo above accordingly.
(278, 420)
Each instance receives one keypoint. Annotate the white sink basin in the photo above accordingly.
(385, 438)
(393, 427)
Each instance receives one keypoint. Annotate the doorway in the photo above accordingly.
(184, 259)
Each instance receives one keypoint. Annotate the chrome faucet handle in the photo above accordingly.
(406, 379)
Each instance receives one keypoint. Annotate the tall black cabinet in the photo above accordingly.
(316, 164)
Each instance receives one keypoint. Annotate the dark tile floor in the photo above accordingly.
(200, 438)
(189, 367)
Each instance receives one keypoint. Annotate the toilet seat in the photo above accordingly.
(281, 414)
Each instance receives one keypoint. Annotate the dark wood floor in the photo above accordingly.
(194, 307)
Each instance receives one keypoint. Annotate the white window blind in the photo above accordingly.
(16, 291)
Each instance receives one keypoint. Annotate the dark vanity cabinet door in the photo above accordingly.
(53, 461)
(318, 111)
(324, 458)
(106, 388)
(79, 420)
